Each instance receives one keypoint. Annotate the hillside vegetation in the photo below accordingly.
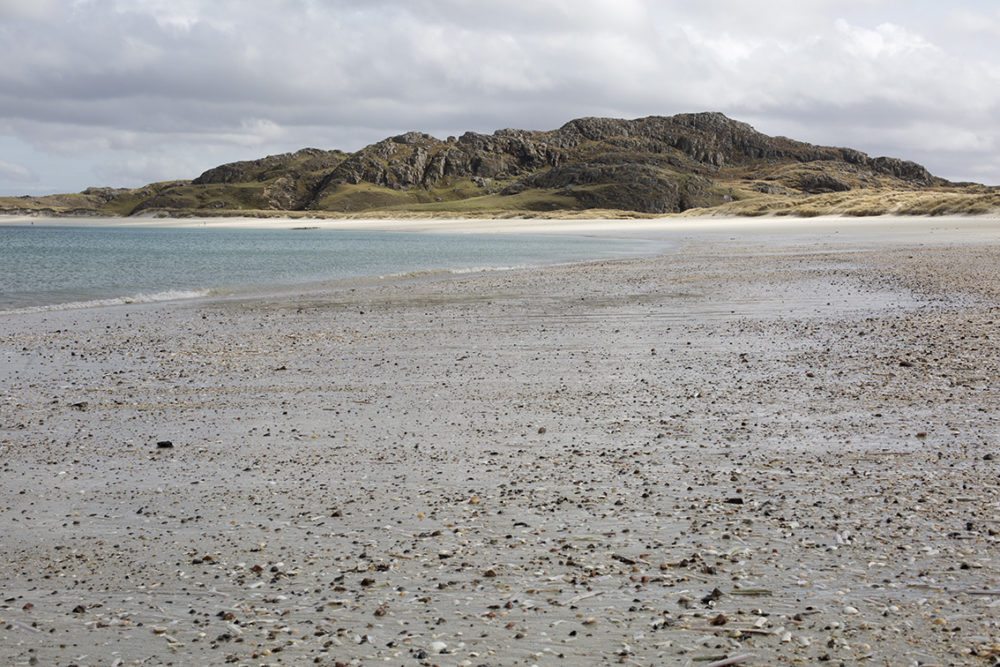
(698, 164)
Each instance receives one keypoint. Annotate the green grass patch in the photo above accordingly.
(348, 198)
(529, 200)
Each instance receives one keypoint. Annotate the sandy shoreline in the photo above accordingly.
(651, 227)
(770, 443)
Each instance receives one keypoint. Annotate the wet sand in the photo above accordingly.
(767, 447)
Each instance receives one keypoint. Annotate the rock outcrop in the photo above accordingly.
(658, 164)
(273, 166)
(652, 165)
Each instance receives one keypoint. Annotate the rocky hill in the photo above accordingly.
(654, 165)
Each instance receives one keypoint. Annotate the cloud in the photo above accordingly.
(151, 168)
(16, 173)
(135, 82)
(33, 10)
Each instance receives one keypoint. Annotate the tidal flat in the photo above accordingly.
(777, 447)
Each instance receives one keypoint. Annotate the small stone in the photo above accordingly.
(987, 457)
(712, 597)
(541, 430)
(851, 610)
(719, 620)
(79, 609)
(437, 647)
(164, 444)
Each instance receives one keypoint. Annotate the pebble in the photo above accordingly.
(357, 511)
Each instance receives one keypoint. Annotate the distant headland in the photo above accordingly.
(695, 164)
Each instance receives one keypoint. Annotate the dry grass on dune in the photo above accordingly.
(854, 203)
(964, 200)
(861, 203)
(400, 214)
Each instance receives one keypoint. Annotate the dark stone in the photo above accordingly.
(712, 597)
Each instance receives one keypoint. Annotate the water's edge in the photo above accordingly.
(53, 267)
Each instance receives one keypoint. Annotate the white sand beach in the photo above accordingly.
(778, 443)
(900, 227)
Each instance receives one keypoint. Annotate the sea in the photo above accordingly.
(51, 267)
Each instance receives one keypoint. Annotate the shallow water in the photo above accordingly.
(71, 267)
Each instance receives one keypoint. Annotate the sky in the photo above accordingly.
(126, 92)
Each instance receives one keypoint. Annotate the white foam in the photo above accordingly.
(436, 273)
(169, 295)
(485, 269)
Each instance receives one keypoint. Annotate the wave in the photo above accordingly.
(169, 295)
(460, 271)
(434, 273)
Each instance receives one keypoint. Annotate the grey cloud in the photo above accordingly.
(16, 173)
(33, 10)
(137, 82)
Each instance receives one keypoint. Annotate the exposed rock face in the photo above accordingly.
(414, 159)
(902, 169)
(659, 164)
(305, 160)
(709, 139)
(276, 182)
(654, 165)
(626, 186)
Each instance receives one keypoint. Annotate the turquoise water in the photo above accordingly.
(69, 267)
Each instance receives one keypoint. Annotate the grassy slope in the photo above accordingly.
(870, 202)
(742, 191)
(55, 203)
(371, 201)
